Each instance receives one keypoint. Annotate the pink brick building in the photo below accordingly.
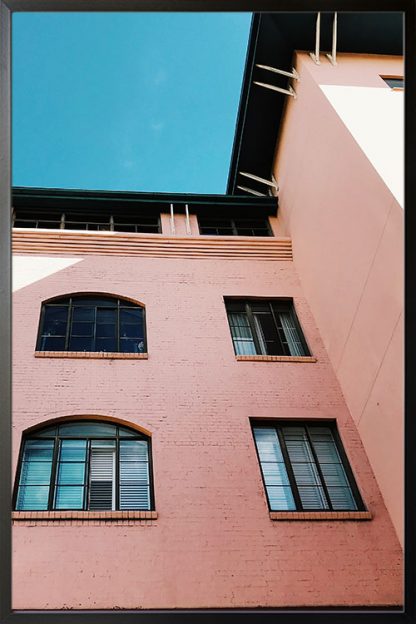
(208, 389)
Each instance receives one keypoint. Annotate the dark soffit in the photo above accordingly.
(273, 39)
(79, 200)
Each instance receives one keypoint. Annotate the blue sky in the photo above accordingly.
(126, 101)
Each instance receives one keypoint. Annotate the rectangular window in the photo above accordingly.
(92, 221)
(394, 82)
(238, 226)
(304, 468)
(261, 327)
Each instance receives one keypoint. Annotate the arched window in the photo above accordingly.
(84, 465)
(92, 323)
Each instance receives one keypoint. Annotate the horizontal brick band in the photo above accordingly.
(94, 355)
(83, 515)
(275, 358)
(320, 515)
(75, 243)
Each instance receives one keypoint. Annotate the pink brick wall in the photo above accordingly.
(347, 232)
(213, 543)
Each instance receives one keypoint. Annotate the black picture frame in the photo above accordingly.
(357, 616)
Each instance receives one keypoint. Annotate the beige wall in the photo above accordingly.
(347, 231)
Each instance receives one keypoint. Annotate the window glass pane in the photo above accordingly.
(306, 474)
(108, 345)
(131, 315)
(273, 468)
(127, 433)
(71, 473)
(55, 313)
(275, 474)
(267, 334)
(69, 497)
(133, 450)
(341, 498)
(244, 347)
(49, 224)
(81, 344)
(131, 345)
(105, 330)
(133, 496)
(235, 307)
(291, 333)
(95, 301)
(280, 498)
(297, 444)
(50, 431)
(52, 344)
(240, 327)
(134, 471)
(259, 306)
(83, 313)
(38, 450)
(106, 315)
(241, 334)
(82, 329)
(334, 474)
(325, 450)
(394, 83)
(24, 223)
(73, 450)
(134, 475)
(104, 444)
(320, 434)
(124, 227)
(131, 331)
(312, 498)
(74, 225)
(241, 231)
(54, 328)
(268, 445)
(34, 498)
(35, 473)
(215, 226)
(87, 429)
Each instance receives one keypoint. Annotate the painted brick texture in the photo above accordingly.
(213, 543)
(348, 247)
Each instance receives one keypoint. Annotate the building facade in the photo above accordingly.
(205, 390)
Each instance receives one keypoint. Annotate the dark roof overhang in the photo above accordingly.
(130, 202)
(274, 37)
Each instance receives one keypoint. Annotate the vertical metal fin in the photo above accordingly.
(315, 56)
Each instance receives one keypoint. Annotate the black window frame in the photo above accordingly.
(59, 302)
(231, 224)
(332, 425)
(37, 435)
(286, 304)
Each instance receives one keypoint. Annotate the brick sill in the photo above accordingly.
(275, 358)
(30, 516)
(320, 515)
(94, 355)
